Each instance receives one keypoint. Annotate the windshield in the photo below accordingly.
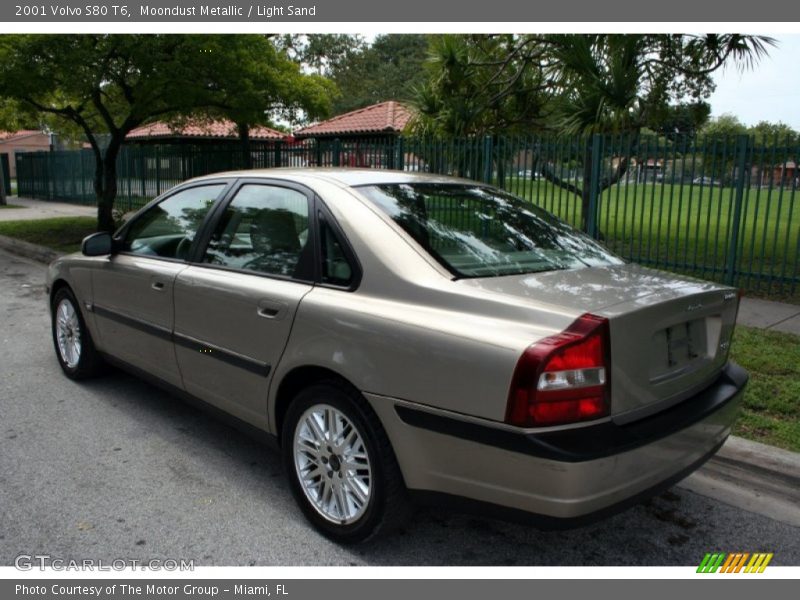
(476, 231)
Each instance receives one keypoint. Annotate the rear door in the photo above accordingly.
(132, 291)
(235, 305)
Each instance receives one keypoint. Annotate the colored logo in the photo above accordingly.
(736, 562)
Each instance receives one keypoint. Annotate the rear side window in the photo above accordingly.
(477, 231)
(336, 269)
(263, 229)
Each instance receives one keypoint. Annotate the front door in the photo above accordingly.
(133, 291)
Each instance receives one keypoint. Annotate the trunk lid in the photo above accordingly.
(670, 334)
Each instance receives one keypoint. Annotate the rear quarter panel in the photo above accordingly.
(454, 358)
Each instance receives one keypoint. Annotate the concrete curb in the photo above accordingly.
(754, 477)
(762, 456)
(41, 254)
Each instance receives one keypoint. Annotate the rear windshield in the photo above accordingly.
(476, 231)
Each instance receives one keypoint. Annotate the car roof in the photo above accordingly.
(345, 176)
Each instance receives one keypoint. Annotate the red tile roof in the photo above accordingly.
(7, 136)
(386, 117)
(213, 129)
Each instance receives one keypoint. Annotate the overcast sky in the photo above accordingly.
(770, 92)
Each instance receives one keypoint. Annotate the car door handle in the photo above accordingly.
(271, 309)
(158, 286)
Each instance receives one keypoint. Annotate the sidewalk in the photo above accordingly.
(767, 314)
(39, 209)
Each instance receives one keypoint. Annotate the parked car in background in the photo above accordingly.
(406, 337)
(708, 181)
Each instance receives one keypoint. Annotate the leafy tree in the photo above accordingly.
(364, 74)
(775, 144)
(254, 83)
(770, 134)
(572, 84)
(109, 84)
(322, 53)
(680, 120)
(389, 69)
(726, 125)
(466, 91)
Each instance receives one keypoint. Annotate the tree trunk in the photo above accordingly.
(244, 135)
(105, 185)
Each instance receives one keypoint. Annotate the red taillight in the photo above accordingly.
(563, 378)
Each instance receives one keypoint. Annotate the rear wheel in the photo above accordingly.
(341, 467)
(73, 343)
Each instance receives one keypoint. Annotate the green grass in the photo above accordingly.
(771, 411)
(63, 233)
(10, 206)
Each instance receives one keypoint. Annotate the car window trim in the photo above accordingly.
(119, 235)
(322, 214)
(197, 253)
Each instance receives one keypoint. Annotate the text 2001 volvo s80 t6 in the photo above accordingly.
(405, 336)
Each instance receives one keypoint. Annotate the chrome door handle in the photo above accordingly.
(271, 309)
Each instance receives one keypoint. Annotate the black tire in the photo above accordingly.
(388, 506)
(89, 363)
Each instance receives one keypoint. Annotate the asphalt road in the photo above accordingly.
(115, 468)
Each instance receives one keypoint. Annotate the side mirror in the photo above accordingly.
(97, 244)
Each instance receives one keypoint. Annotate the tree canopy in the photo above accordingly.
(571, 83)
(109, 84)
(575, 84)
(387, 69)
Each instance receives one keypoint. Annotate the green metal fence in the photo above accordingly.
(719, 208)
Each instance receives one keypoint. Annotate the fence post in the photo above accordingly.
(129, 173)
(278, 158)
(400, 153)
(317, 151)
(596, 157)
(51, 184)
(337, 152)
(741, 180)
(6, 168)
(487, 159)
(158, 170)
(184, 170)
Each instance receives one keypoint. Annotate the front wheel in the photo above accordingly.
(341, 466)
(73, 343)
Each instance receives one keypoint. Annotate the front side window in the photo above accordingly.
(263, 229)
(477, 231)
(168, 228)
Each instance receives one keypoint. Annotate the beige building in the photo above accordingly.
(24, 140)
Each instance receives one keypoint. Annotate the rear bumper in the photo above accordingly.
(567, 477)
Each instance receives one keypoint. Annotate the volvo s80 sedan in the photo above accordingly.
(403, 337)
